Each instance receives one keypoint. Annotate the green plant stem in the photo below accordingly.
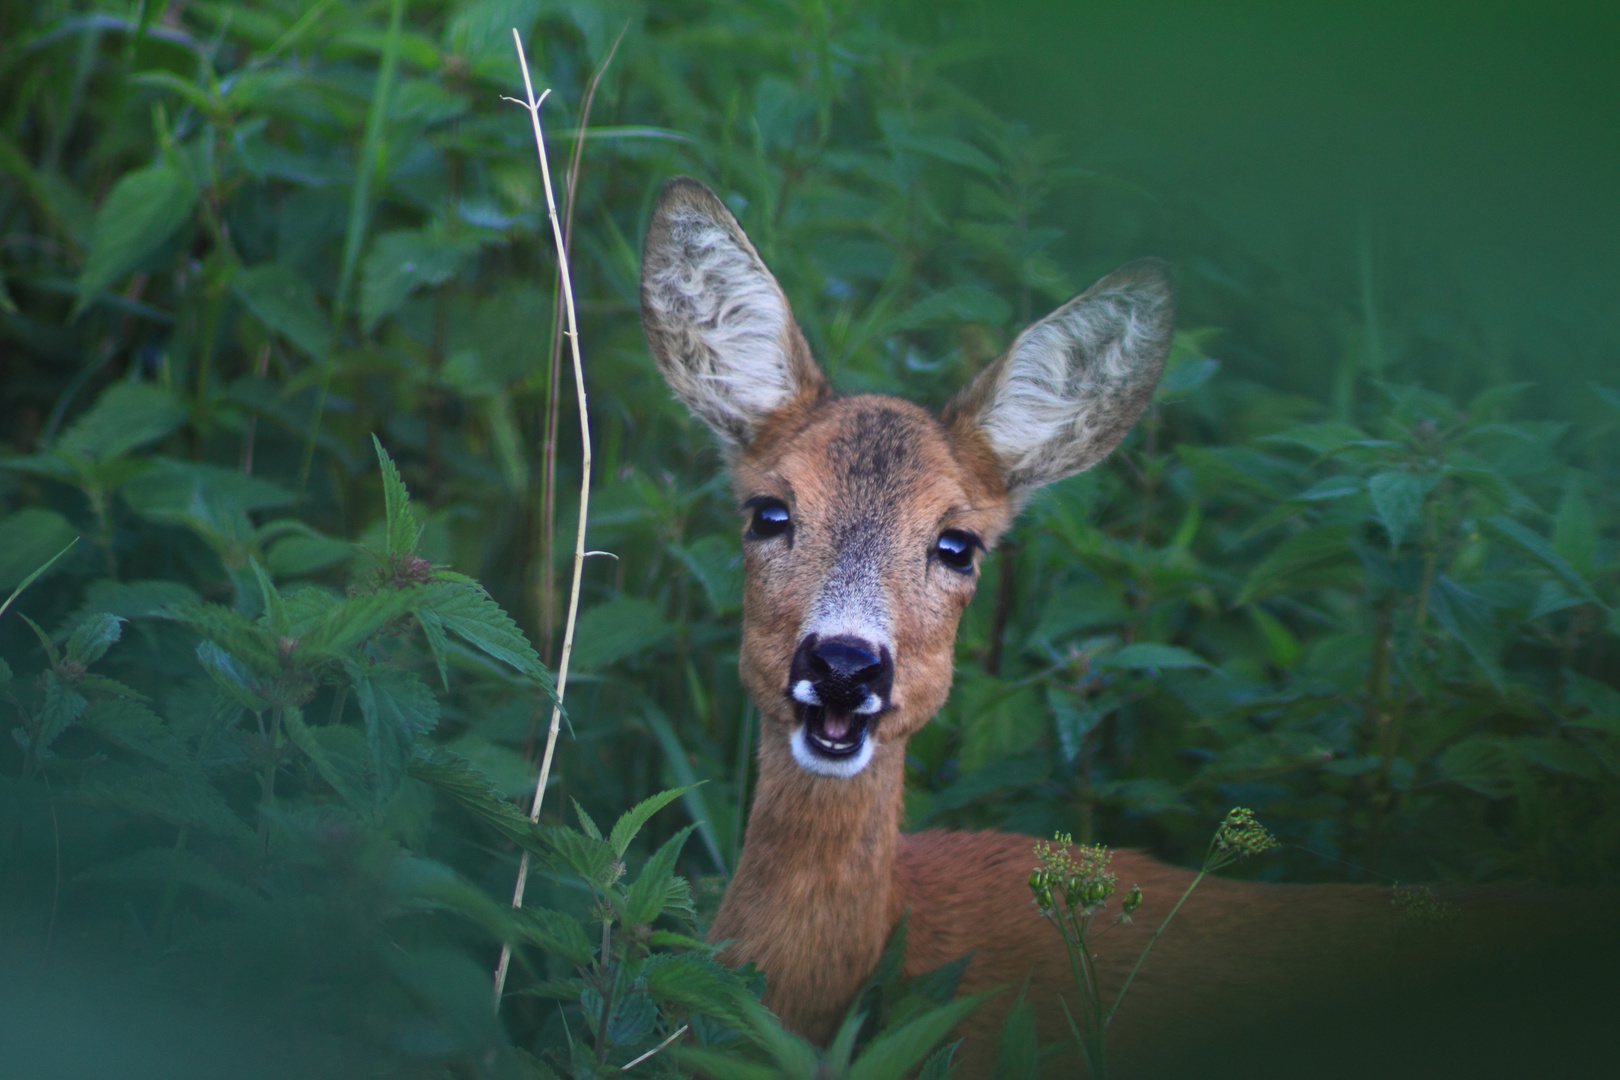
(1151, 942)
(610, 980)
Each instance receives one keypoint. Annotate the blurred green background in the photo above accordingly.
(1356, 569)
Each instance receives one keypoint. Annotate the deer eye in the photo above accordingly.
(770, 519)
(955, 549)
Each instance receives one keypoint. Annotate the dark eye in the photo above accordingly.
(955, 549)
(770, 518)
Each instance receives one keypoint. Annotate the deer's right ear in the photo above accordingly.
(718, 323)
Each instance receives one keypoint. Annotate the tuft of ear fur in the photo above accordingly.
(718, 323)
(1075, 383)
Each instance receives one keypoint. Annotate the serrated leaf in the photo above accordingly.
(1397, 500)
(717, 566)
(232, 675)
(1514, 535)
(401, 262)
(402, 527)
(282, 299)
(623, 626)
(1311, 554)
(343, 627)
(555, 933)
(275, 611)
(456, 777)
(896, 1052)
(63, 707)
(126, 415)
(651, 891)
(1321, 439)
(149, 599)
(467, 611)
(587, 857)
(92, 638)
(171, 798)
(232, 632)
(1467, 616)
(1560, 756)
(957, 304)
(1484, 764)
(130, 724)
(631, 821)
(31, 540)
(143, 210)
(396, 707)
(1575, 533)
(304, 739)
(301, 553)
(555, 989)
(586, 822)
(179, 488)
(1149, 655)
(433, 632)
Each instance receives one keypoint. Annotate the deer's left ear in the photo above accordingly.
(1075, 383)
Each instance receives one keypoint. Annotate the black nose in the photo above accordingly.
(844, 671)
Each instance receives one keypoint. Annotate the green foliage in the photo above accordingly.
(241, 241)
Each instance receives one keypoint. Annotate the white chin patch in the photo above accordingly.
(843, 768)
(804, 693)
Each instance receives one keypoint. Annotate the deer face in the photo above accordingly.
(865, 518)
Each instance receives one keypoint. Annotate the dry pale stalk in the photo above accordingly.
(533, 105)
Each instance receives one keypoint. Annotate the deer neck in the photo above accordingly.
(815, 895)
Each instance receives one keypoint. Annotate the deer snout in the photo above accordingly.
(843, 674)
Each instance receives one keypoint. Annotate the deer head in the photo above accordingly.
(866, 518)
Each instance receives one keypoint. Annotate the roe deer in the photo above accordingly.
(866, 521)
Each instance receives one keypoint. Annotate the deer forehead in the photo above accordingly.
(872, 462)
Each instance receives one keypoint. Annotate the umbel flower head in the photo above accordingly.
(1238, 837)
(1082, 882)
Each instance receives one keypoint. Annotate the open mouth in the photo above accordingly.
(834, 733)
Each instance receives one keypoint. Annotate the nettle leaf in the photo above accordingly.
(126, 415)
(456, 777)
(93, 637)
(1397, 499)
(233, 632)
(131, 725)
(405, 260)
(302, 553)
(28, 540)
(396, 707)
(586, 822)
(191, 490)
(402, 527)
(1516, 536)
(149, 599)
(351, 621)
(623, 626)
(631, 821)
(306, 740)
(467, 611)
(283, 300)
(1467, 616)
(587, 857)
(957, 304)
(896, 1052)
(1575, 533)
(695, 984)
(433, 632)
(555, 933)
(717, 565)
(275, 610)
(232, 675)
(1483, 764)
(63, 707)
(187, 803)
(653, 889)
(144, 209)
(1312, 558)
(1148, 655)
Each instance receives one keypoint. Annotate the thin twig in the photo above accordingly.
(533, 106)
(548, 445)
(677, 1033)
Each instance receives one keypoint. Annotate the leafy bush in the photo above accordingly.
(266, 724)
